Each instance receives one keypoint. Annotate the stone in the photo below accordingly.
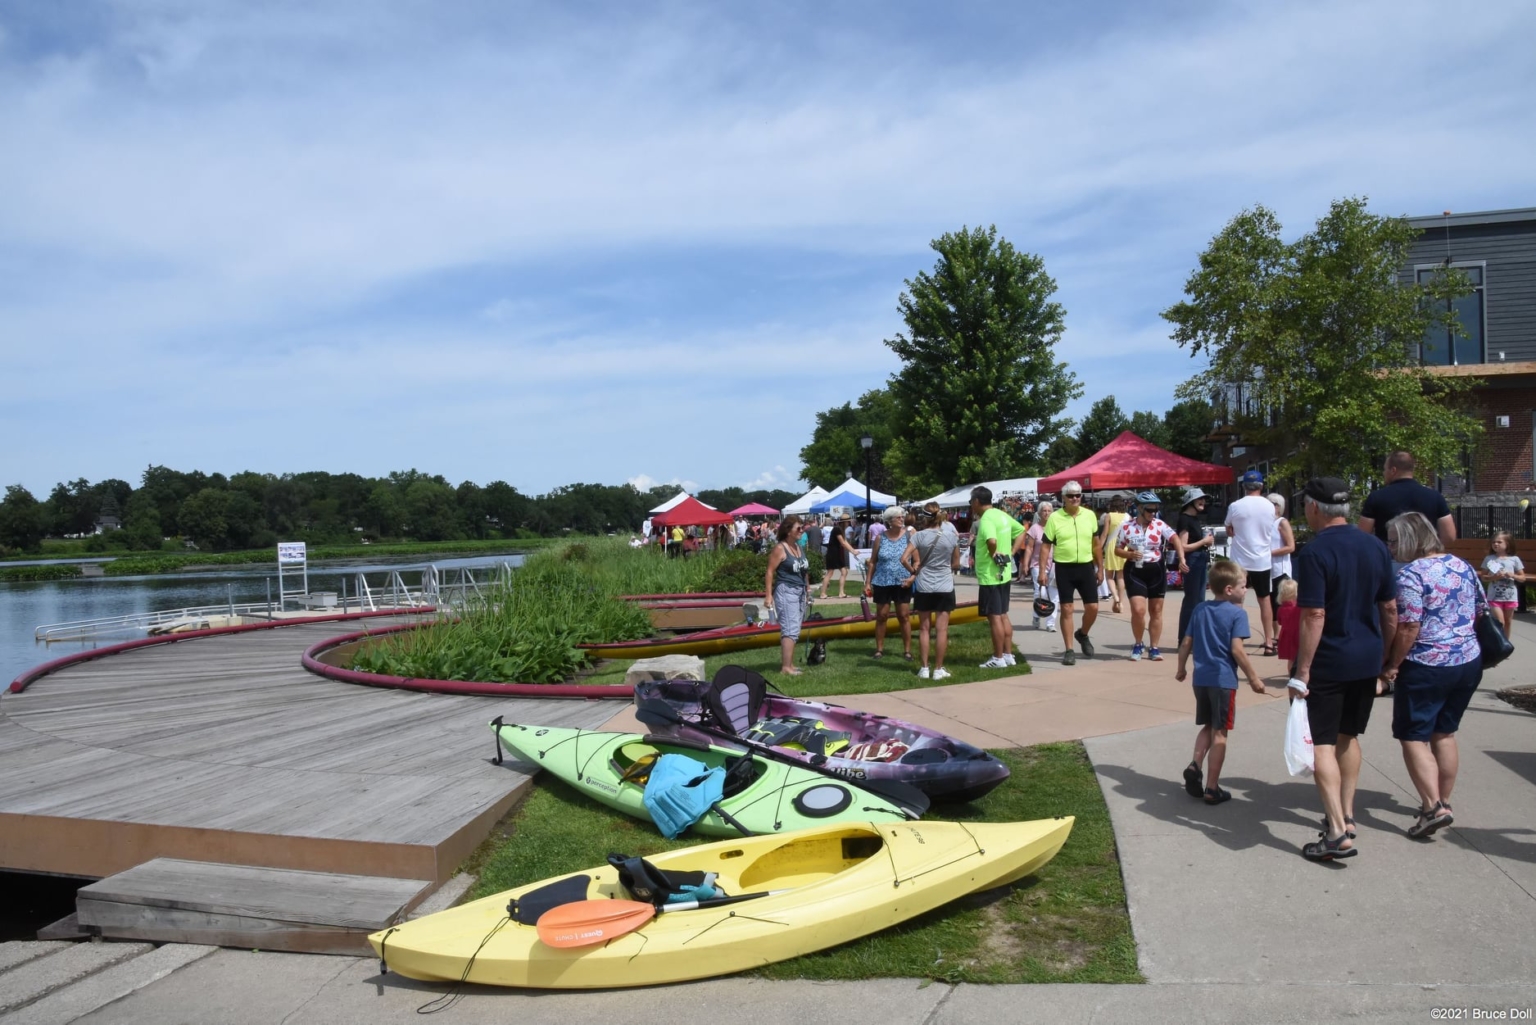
(665, 667)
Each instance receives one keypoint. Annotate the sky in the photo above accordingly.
(648, 242)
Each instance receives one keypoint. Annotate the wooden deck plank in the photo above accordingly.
(230, 734)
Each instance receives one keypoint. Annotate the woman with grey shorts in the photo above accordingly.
(787, 588)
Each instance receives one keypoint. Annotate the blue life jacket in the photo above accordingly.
(680, 791)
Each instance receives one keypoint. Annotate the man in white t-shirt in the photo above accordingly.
(1250, 544)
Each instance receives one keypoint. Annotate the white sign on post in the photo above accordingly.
(291, 553)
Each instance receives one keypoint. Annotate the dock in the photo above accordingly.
(223, 749)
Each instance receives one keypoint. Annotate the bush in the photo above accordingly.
(744, 570)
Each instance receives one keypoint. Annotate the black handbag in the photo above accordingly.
(1490, 638)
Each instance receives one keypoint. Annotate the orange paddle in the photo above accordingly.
(586, 923)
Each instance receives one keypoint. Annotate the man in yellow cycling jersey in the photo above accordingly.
(1072, 547)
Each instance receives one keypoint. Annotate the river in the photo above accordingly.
(26, 606)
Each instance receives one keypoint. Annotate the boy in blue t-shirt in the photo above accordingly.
(1216, 634)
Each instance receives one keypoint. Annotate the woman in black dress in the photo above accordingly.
(838, 550)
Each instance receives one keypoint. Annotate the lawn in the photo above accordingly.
(851, 667)
(1067, 924)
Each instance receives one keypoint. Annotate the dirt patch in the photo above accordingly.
(1521, 697)
(999, 945)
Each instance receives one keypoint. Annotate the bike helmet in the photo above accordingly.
(1044, 607)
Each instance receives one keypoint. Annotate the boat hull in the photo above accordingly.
(841, 882)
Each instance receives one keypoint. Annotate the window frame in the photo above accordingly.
(1480, 289)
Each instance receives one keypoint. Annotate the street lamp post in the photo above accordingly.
(867, 443)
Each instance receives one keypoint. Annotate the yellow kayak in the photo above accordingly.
(818, 887)
(744, 636)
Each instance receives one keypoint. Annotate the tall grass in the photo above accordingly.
(528, 631)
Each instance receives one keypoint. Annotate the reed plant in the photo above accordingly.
(528, 630)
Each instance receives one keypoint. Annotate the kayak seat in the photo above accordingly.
(740, 773)
(925, 756)
(635, 761)
(734, 699)
(648, 883)
(527, 908)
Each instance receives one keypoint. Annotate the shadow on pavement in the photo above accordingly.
(1521, 763)
(1251, 818)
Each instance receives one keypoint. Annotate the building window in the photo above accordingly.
(1443, 346)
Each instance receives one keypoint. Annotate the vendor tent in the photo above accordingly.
(847, 500)
(802, 505)
(754, 509)
(959, 498)
(878, 499)
(690, 513)
(1133, 462)
(674, 502)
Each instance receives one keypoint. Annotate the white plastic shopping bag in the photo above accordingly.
(1298, 740)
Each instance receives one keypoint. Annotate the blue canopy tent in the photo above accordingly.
(845, 500)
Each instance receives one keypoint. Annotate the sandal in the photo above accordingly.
(878, 654)
(1194, 784)
(1216, 795)
(1349, 827)
(1325, 849)
(907, 655)
(1269, 650)
(1427, 822)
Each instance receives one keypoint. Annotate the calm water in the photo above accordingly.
(24, 607)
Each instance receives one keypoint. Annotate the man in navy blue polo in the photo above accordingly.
(1402, 493)
(1348, 616)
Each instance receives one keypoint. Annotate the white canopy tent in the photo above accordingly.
(959, 498)
(802, 505)
(853, 485)
(674, 502)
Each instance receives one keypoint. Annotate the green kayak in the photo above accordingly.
(764, 796)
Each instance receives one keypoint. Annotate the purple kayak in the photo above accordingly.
(736, 709)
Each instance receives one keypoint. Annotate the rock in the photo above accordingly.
(665, 667)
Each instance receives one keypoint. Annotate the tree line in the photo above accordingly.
(255, 510)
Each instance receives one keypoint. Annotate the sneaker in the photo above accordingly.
(1069, 658)
(1010, 659)
(995, 662)
(1036, 622)
(1154, 654)
(1087, 645)
(1136, 653)
(922, 674)
(941, 673)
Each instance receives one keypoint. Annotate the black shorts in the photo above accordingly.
(1216, 707)
(933, 601)
(1431, 699)
(892, 594)
(992, 599)
(1079, 577)
(1258, 583)
(1339, 708)
(1149, 581)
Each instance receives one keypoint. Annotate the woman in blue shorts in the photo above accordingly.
(1435, 663)
(889, 581)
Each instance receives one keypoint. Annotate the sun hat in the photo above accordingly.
(1192, 496)
(1148, 498)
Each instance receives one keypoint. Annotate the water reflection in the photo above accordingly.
(26, 606)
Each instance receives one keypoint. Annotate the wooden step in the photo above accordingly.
(169, 900)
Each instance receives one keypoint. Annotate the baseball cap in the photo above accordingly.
(1071, 487)
(1148, 498)
(1252, 477)
(1327, 489)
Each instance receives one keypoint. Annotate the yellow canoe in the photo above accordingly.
(740, 638)
(839, 882)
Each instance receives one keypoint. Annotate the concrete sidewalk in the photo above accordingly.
(1230, 922)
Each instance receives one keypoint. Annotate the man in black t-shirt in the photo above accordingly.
(1401, 494)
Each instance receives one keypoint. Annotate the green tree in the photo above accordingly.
(141, 522)
(835, 453)
(1148, 426)
(431, 511)
(506, 508)
(21, 520)
(203, 518)
(1187, 425)
(1102, 425)
(980, 393)
(1310, 346)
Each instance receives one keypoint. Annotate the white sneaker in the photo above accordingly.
(1008, 658)
(995, 662)
(922, 674)
(941, 673)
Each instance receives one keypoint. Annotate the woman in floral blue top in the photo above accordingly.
(1434, 662)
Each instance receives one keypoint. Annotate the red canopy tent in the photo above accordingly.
(691, 512)
(1133, 462)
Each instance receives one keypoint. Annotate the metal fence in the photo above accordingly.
(1486, 520)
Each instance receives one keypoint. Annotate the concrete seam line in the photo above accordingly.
(345, 964)
(933, 1015)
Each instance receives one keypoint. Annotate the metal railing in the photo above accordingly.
(1485, 520)
(412, 588)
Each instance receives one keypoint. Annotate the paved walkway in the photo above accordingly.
(1230, 922)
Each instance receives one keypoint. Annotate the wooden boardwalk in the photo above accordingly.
(224, 749)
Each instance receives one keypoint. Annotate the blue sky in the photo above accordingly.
(548, 243)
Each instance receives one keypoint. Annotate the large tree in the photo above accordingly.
(1187, 426)
(980, 392)
(21, 520)
(1102, 425)
(1311, 345)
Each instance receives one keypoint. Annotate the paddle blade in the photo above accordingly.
(586, 923)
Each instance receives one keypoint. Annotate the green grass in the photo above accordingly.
(851, 667)
(1067, 924)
